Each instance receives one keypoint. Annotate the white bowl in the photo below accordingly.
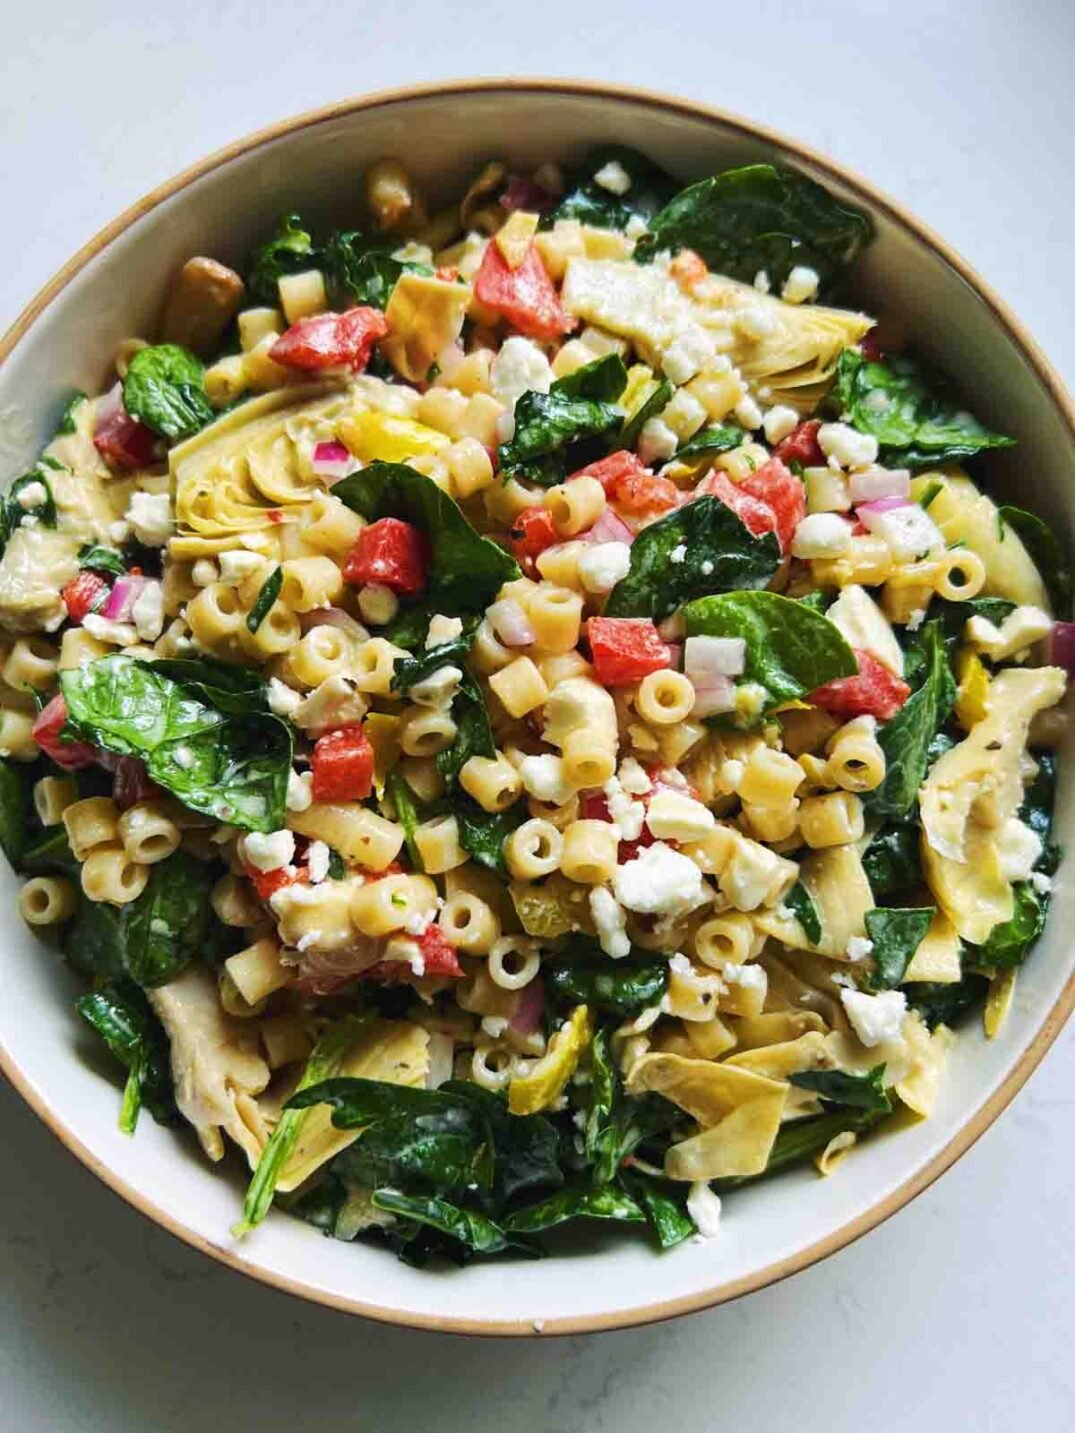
(112, 289)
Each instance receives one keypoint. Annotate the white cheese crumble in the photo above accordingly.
(659, 881)
(443, 629)
(519, 367)
(876, 1019)
(821, 534)
(439, 689)
(636, 227)
(31, 496)
(377, 604)
(627, 815)
(299, 791)
(148, 612)
(204, 572)
(755, 322)
(608, 919)
(859, 947)
(604, 564)
(268, 853)
(1020, 629)
(150, 515)
(632, 777)
(909, 532)
(915, 620)
(613, 177)
(706, 568)
(283, 700)
(317, 858)
(1018, 850)
(678, 554)
(800, 286)
(761, 281)
(748, 414)
(1041, 882)
(846, 448)
(672, 816)
(238, 564)
(688, 352)
(543, 778)
(747, 977)
(656, 441)
(778, 422)
(494, 1025)
(119, 531)
(120, 634)
(704, 1208)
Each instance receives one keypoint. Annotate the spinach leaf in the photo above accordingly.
(551, 435)
(616, 1123)
(234, 689)
(915, 425)
(473, 1230)
(946, 1004)
(525, 1147)
(289, 251)
(591, 203)
(482, 833)
(577, 1201)
(907, 738)
(357, 1102)
(1048, 556)
(1010, 943)
(50, 854)
(123, 1018)
(15, 811)
(270, 591)
(101, 559)
(231, 766)
(721, 555)
(406, 808)
(601, 381)
(665, 1207)
(891, 860)
(862, 1092)
(760, 217)
(409, 671)
(720, 438)
(896, 933)
(660, 394)
(444, 1150)
(466, 571)
(1037, 809)
(790, 649)
(360, 270)
(473, 734)
(68, 423)
(164, 388)
(801, 903)
(621, 988)
(43, 510)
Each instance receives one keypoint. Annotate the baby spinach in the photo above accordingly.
(1037, 809)
(946, 1004)
(164, 388)
(915, 424)
(473, 733)
(233, 689)
(553, 435)
(896, 933)
(790, 649)
(801, 904)
(622, 988)
(360, 270)
(720, 438)
(470, 1228)
(835, 1087)
(15, 811)
(760, 217)
(443, 1150)
(467, 570)
(102, 559)
(616, 1123)
(1048, 556)
(601, 381)
(221, 760)
(122, 1016)
(263, 602)
(906, 740)
(891, 859)
(577, 1201)
(482, 833)
(68, 418)
(1011, 942)
(720, 555)
(525, 1147)
(662, 393)
(591, 203)
(289, 251)
(665, 1207)
(405, 806)
(12, 512)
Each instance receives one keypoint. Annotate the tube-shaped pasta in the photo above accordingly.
(856, 761)
(90, 823)
(770, 778)
(580, 718)
(426, 731)
(771, 823)
(17, 735)
(258, 970)
(375, 662)
(390, 904)
(831, 820)
(31, 664)
(310, 582)
(109, 875)
(559, 564)
(520, 687)
(556, 616)
(46, 900)
(215, 617)
(330, 527)
(52, 796)
(960, 575)
(277, 633)
(392, 195)
(470, 467)
(725, 939)
(286, 1040)
(533, 850)
(322, 653)
(361, 836)
(470, 923)
(589, 852)
(147, 834)
(488, 652)
(664, 697)
(492, 1064)
(77, 647)
(423, 777)
(513, 962)
(255, 323)
(576, 505)
(492, 781)
(438, 845)
(234, 902)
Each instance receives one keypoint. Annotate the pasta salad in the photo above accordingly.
(521, 713)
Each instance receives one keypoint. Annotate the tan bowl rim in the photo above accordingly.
(1054, 1020)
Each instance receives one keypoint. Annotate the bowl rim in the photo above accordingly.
(1054, 1020)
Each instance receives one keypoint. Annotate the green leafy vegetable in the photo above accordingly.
(907, 738)
(473, 733)
(1037, 809)
(790, 649)
(403, 801)
(721, 555)
(1010, 943)
(43, 510)
(525, 1147)
(801, 903)
(552, 432)
(15, 809)
(289, 251)
(482, 833)
(946, 1004)
(720, 438)
(578, 1201)
(665, 1207)
(234, 689)
(164, 388)
(473, 1230)
(621, 988)
(591, 203)
(616, 1123)
(101, 559)
(467, 570)
(896, 933)
(226, 763)
(601, 381)
(663, 392)
(891, 860)
(409, 671)
(862, 1092)
(758, 217)
(360, 270)
(915, 425)
(68, 423)
(123, 1018)
(1048, 556)
(270, 591)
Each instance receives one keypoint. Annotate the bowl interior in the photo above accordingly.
(315, 168)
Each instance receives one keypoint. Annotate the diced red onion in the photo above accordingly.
(710, 658)
(877, 506)
(1062, 645)
(332, 461)
(523, 192)
(878, 483)
(907, 528)
(125, 593)
(510, 623)
(714, 699)
(110, 406)
(530, 1009)
(333, 617)
(610, 528)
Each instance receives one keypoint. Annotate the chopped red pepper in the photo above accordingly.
(267, 883)
(784, 493)
(525, 297)
(625, 649)
(594, 807)
(611, 471)
(755, 514)
(871, 348)
(123, 441)
(438, 952)
(84, 594)
(331, 340)
(872, 691)
(392, 552)
(342, 765)
(801, 445)
(531, 533)
(46, 732)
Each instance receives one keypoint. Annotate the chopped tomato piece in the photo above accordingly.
(438, 952)
(123, 441)
(267, 883)
(625, 649)
(46, 732)
(778, 486)
(531, 533)
(644, 492)
(873, 691)
(755, 514)
(331, 340)
(525, 297)
(84, 594)
(392, 552)
(801, 445)
(342, 765)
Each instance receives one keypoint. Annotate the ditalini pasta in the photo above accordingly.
(518, 712)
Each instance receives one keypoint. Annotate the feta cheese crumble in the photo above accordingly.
(443, 629)
(150, 515)
(821, 534)
(876, 1019)
(656, 441)
(604, 564)
(299, 791)
(543, 778)
(148, 612)
(613, 177)
(704, 1208)
(238, 564)
(859, 948)
(608, 919)
(31, 496)
(659, 881)
(778, 422)
(268, 853)
(284, 701)
(678, 554)
(317, 859)
(846, 448)
(800, 286)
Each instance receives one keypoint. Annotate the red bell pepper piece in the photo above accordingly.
(391, 552)
(123, 441)
(46, 732)
(872, 691)
(778, 486)
(531, 533)
(331, 340)
(625, 649)
(525, 297)
(438, 952)
(342, 765)
(84, 594)
(801, 446)
(755, 514)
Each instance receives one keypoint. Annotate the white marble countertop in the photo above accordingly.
(957, 1312)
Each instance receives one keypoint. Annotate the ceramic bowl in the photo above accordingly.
(112, 288)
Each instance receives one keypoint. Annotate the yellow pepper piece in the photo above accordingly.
(382, 731)
(546, 1081)
(641, 386)
(370, 436)
(972, 697)
(515, 237)
(998, 1002)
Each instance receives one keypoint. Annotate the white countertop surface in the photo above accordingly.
(958, 1312)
